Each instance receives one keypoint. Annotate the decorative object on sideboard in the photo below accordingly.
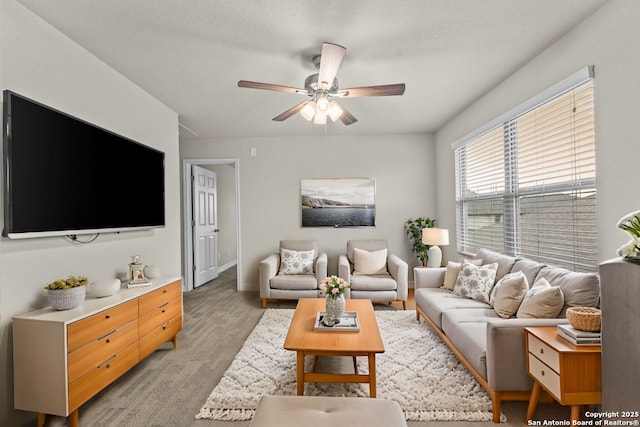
(103, 288)
(151, 271)
(413, 228)
(434, 237)
(65, 294)
(136, 268)
(585, 318)
(631, 224)
(333, 287)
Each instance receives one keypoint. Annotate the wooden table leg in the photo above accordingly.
(575, 413)
(41, 419)
(533, 401)
(300, 372)
(372, 375)
(73, 418)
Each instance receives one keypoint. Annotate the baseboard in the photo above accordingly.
(225, 267)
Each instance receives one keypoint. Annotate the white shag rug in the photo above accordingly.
(417, 370)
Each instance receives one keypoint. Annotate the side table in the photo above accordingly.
(571, 374)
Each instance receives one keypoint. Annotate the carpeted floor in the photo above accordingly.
(170, 386)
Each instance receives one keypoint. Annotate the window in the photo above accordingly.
(526, 183)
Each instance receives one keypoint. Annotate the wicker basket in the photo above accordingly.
(65, 299)
(584, 318)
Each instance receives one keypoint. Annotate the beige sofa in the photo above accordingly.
(491, 347)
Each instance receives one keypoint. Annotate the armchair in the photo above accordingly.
(374, 273)
(295, 272)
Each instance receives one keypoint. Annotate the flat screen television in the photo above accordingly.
(64, 176)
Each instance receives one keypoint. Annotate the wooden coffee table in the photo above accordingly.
(304, 340)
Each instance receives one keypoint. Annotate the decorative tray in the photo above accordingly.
(348, 322)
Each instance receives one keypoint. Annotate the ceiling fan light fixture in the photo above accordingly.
(320, 119)
(335, 110)
(308, 111)
(322, 104)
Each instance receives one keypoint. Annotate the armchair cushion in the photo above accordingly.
(370, 262)
(379, 282)
(296, 262)
(294, 282)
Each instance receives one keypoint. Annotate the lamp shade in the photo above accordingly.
(435, 236)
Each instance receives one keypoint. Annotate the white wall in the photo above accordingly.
(403, 166)
(39, 62)
(609, 39)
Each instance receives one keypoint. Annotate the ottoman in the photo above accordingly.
(321, 411)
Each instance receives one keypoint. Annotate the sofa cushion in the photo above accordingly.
(296, 262)
(467, 331)
(505, 262)
(529, 267)
(579, 289)
(453, 269)
(543, 301)
(294, 281)
(435, 301)
(507, 295)
(475, 281)
(369, 262)
(371, 282)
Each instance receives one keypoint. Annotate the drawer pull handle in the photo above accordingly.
(164, 291)
(542, 373)
(106, 335)
(164, 327)
(106, 362)
(164, 305)
(108, 316)
(542, 351)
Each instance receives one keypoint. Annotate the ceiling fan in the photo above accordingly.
(322, 87)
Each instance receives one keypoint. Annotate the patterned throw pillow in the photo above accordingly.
(453, 269)
(508, 293)
(475, 281)
(543, 301)
(296, 262)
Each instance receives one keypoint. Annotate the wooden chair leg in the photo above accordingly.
(264, 303)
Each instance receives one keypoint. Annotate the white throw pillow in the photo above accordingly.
(369, 262)
(296, 262)
(475, 281)
(507, 295)
(453, 269)
(543, 301)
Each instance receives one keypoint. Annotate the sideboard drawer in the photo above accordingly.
(93, 327)
(545, 353)
(156, 298)
(91, 355)
(545, 376)
(160, 315)
(102, 375)
(160, 335)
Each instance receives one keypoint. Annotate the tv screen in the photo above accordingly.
(64, 176)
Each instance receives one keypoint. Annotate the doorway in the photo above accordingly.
(226, 251)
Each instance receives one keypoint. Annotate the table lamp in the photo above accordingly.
(434, 237)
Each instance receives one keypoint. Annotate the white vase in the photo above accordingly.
(334, 307)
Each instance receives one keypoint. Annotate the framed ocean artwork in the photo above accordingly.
(338, 202)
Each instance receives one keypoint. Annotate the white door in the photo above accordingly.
(205, 225)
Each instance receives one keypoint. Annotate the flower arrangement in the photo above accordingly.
(68, 283)
(333, 286)
(631, 224)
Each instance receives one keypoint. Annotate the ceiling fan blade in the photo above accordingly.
(330, 60)
(269, 86)
(382, 90)
(290, 112)
(346, 117)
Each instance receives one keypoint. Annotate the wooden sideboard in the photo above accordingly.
(63, 358)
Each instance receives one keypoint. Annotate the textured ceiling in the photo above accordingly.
(190, 54)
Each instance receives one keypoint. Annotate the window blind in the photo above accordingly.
(527, 185)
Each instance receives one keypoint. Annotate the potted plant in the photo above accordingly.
(414, 227)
